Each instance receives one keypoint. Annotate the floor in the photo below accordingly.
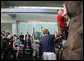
(27, 57)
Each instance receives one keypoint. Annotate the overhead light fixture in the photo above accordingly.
(38, 7)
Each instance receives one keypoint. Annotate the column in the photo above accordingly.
(14, 28)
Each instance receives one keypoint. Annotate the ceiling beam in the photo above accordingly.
(31, 10)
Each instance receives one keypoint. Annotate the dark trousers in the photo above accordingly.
(64, 34)
(22, 41)
(30, 50)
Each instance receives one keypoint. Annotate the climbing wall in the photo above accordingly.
(74, 43)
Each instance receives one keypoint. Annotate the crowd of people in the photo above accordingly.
(44, 47)
(12, 43)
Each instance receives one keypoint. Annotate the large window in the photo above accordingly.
(37, 26)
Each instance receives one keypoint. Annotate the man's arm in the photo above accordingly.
(64, 14)
(65, 11)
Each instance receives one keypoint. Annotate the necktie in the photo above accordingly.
(27, 42)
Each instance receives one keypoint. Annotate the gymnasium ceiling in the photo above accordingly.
(30, 16)
(7, 4)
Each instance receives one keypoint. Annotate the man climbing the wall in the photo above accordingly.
(61, 22)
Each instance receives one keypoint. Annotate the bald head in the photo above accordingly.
(45, 31)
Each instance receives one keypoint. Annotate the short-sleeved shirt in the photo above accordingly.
(61, 21)
(17, 42)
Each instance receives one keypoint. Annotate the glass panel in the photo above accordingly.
(38, 27)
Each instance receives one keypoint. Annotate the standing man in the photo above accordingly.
(27, 35)
(21, 37)
(47, 46)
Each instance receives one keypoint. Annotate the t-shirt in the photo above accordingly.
(61, 21)
(17, 42)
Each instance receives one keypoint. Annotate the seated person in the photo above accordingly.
(27, 44)
(16, 45)
(27, 35)
(11, 50)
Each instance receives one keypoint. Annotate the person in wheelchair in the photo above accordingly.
(16, 45)
(27, 45)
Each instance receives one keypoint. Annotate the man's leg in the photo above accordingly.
(18, 49)
(24, 50)
(37, 52)
(33, 53)
(45, 56)
(52, 56)
(22, 41)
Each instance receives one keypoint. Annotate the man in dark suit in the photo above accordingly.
(27, 35)
(27, 44)
(21, 37)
